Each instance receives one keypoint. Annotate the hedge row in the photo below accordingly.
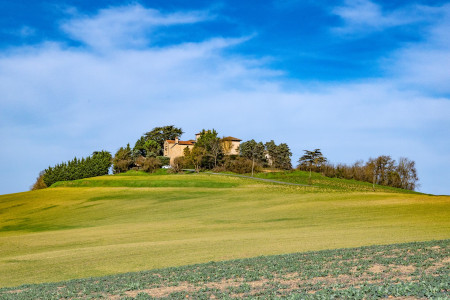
(95, 165)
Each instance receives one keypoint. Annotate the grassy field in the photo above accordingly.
(405, 271)
(115, 224)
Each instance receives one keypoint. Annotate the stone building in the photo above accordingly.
(175, 148)
(230, 145)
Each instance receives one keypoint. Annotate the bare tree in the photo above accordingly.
(407, 172)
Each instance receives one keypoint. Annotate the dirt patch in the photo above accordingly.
(288, 283)
(189, 288)
(164, 291)
(404, 269)
(377, 269)
(15, 291)
(404, 298)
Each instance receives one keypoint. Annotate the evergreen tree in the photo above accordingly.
(279, 156)
(283, 160)
(123, 160)
(96, 165)
(253, 151)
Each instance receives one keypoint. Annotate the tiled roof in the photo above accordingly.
(230, 138)
(188, 143)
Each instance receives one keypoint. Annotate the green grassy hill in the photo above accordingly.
(132, 222)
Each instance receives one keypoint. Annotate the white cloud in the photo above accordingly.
(426, 65)
(364, 16)
(420, 66)
(124, 27)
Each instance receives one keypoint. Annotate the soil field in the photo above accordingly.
(403, 271)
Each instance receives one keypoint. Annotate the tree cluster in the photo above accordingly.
(278, 156)
(126, 159)
(147, 154)
(268, 154)
(95, 165)
(382, 170)
(208, 153)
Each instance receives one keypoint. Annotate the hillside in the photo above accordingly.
(115, 224)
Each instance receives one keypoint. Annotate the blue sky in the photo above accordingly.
(355, 78)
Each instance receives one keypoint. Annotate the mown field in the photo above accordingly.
(115, 224)
(403, 271)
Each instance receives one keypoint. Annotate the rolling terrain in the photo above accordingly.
(133, 222)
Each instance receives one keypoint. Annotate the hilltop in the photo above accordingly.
(138, 221)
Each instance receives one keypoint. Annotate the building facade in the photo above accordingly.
(175, 148)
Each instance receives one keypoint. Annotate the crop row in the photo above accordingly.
(417, 270)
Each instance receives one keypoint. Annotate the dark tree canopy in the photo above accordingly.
(209, 146)
(139, 147)
(123, 160)
(283, 160)
(279, 155)
(312, 159)
(160, 134)
(254, 151)
(95, 165)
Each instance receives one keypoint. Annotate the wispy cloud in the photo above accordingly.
(22, 32)
(426, 65)
(364, 16)
(420, 65)
(126, 26)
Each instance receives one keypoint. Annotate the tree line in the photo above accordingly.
(382, 170)
(208, 153)
(95, 165)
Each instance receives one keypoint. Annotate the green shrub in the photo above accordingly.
(165, 161)
(240, 165)
(178, 164)
(150, 164)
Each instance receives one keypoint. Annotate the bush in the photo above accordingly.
(178, 164)
(165, 161)
(150, 164)
(241, 165)
(219, 169)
